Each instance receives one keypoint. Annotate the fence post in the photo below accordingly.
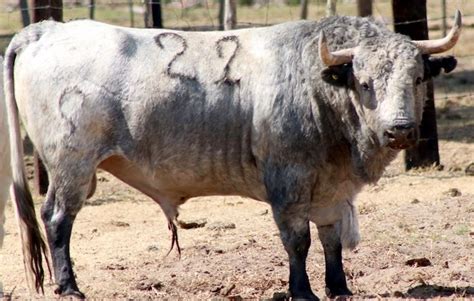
(43, 10)
(56, 10)
(40, 10)
(364, 8)
(153, 14)
(230, 14)
(91, 9)
(426, 153)
(25, 15)
(221, 14)
(304, 9)
(331, 7)
(132, 19)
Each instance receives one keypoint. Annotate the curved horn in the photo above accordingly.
(329, 58)
(444, 44)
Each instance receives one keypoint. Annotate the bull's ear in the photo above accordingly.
(339, 76)
(433, 65)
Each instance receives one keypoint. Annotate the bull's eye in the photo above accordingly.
(365, 86)
(418, 81)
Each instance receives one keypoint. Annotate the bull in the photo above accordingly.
(299, 115)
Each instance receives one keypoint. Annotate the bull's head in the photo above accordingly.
(387, 75)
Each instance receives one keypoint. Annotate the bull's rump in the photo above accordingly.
(172, 103)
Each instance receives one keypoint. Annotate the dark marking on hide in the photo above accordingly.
(433, 65)
(184, 45)
(127, 44)
(219, 47)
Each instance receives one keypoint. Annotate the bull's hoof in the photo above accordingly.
(338, 292)
(69, 292)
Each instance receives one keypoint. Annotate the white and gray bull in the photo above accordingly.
(267, 113)
(5, 170)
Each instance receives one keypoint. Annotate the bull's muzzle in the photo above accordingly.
(401, 135)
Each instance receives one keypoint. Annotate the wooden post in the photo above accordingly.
(411, 20)
(364, 8)
(153, 14)
(221, 14)
(304, 9)
(43, 10)
(56, 9)
(230, 14)
(25, 15)
(40, 10)
(331, 7)
(130, 8)
(91, 9)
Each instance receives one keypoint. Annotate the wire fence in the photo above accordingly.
(204, 15)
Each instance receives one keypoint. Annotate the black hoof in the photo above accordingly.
(69, 292)
(335, 292)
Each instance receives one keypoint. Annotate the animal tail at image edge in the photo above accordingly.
(33, 244)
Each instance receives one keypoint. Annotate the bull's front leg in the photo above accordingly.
(290, 204)
(295, 236)
(335, 277)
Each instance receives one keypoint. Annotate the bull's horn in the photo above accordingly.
(334, 58)
(444, 44)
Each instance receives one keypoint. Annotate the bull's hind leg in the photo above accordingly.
(69, 186)
(335, 278)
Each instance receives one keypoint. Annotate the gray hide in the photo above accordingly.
(246, 112)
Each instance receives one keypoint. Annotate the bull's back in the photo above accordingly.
(173, 103)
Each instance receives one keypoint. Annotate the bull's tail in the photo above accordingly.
(33, 245)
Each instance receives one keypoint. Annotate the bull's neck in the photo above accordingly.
(345, 129)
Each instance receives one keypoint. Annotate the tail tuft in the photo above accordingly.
(33, 245)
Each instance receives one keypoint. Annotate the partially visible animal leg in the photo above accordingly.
(3, 203)
(289, 195)
(335, 278)
(296, 238)
(65, 197)
(92, 187)
(290, 206)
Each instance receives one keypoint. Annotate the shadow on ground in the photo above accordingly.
(432, 291)
(425, 291)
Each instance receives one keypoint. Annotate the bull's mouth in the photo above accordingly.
(398, 143)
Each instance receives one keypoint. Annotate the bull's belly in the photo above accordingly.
(178, 180)
(209, 177)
